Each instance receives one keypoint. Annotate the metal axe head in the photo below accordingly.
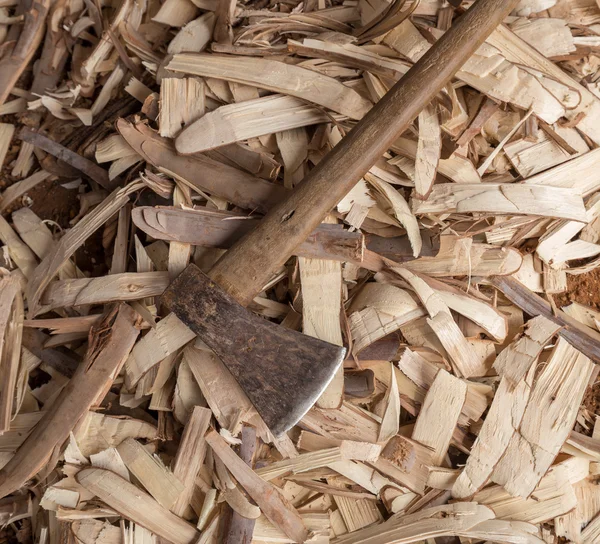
(282, 371)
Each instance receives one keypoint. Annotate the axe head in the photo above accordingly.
(282, 371)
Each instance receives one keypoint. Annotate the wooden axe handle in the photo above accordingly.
(249, 264)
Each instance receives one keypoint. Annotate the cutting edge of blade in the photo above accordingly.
(294, 417)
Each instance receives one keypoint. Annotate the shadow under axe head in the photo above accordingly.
(282, 371)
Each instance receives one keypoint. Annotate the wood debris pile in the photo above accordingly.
(465, 409)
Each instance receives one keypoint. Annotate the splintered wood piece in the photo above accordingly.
(150, 472)
(428, 151)
(11, 331)
(462, 257)
(379, 310)
(110, 343)
(317, 523)
(554, 496)
(181, 104)
(462, 354)
(548, 418)
(490, 319)
(586, 339)
(273, 505)
(445, 520)
(200, 172)
(349, 55)
(64, 325)
(405, 462)
(591, 533)
(456, 168)
(115, 287)
(137, 505)
(277, 77)
(34, 232)
(400, 209)
(578, 174)
(357, 513)
(390, 421)
(249, 119)
(190, 456)
(504, 416)
(70, 242)
(194, 36)
(422, 373)
(439, 414)
(321, 282)
(166, 337)
(228, 403)
(499, 198)
(96, 432)
(514, 361)
(119, 258)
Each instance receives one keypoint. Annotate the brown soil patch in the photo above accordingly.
(584, 289)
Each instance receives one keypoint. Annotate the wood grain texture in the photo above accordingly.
(137, 506)
(247, 266)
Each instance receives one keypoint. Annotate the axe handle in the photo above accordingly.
(250, 263)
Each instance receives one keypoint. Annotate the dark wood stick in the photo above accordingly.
(583, 338)
(87, 167)
(249, 264)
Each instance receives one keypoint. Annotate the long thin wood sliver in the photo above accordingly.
(503, 198)
(11, 331)
(137, 505)
(249, 119)
(587, 340)
(278, 77)
(549, 416)
(321, 282)
(89, 168)
(190, 456)
(114, 287)
(439, 414)
(270, 501)
(151, 473)
(111, 341)
(428, 151)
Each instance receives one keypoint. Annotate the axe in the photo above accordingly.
(284, 372)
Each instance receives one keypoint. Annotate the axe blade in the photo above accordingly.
(282, 371)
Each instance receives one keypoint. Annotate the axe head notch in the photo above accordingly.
(283, 372)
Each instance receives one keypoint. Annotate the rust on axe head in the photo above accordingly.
(282, 371)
